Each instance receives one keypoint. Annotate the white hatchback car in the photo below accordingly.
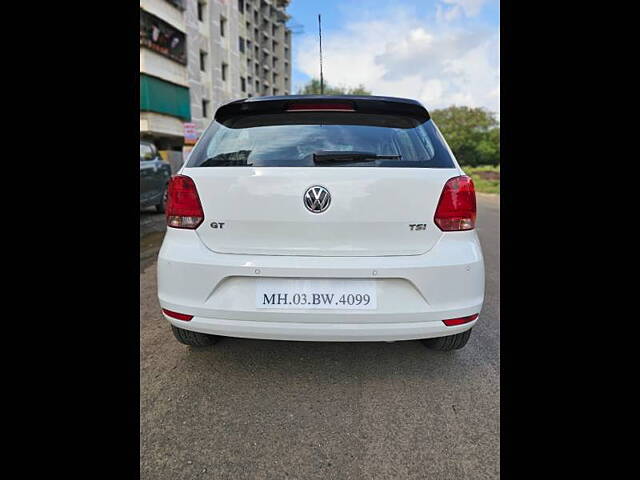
(322, 218)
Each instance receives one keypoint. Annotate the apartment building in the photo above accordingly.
(196, 55)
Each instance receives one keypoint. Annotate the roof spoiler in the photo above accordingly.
(334, 103)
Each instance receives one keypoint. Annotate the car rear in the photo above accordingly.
(321, 218)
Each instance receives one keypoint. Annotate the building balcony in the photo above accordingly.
(156, 65)
(158, 124)
(167, 12)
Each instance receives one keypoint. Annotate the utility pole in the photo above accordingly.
(320, 35)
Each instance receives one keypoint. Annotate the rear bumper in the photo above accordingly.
(415, 293)
(320, 332)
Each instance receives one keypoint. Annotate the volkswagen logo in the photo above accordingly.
(317, 199)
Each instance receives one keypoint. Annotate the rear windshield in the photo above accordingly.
(312, 139)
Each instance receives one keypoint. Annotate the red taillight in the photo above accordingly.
(184, 209)
(459, 321)
(179, 316)
(457, 206)
(314, 107)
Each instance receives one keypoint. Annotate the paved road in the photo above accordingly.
(247, 409)
(152, 228)
(151, 221)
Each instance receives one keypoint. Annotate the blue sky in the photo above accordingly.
(441, 52)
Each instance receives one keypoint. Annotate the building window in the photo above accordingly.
(274, 30)
(243, 84)
(223, 26)
(257, 87)
(201, 6)
(275, 91)
(275, 61)
(274, 44)
(224, 72)
(241, 6)
(179, 4)
(203, 61)
(241, 44)
(205, 108)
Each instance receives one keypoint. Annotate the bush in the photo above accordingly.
(472, 133)
(486, 178)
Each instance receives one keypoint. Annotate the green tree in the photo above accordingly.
(472, 133)
(313, 88)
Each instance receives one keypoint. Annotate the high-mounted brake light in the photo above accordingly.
(457, 206)
(459, 321)
(184, 209)
(180, 316)
(317, 107)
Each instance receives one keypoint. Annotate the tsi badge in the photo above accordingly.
(217, 225)
(417, 226)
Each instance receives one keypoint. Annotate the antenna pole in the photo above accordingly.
(320, 35)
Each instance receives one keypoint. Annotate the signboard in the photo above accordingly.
(162, 38)
(190, 134)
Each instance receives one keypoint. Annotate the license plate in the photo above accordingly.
(335, 294)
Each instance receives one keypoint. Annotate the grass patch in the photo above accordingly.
(486, 178)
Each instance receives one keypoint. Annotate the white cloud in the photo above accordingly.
(435, 63)
(470, 8)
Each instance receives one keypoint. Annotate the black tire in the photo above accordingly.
(193, 339)
(160, 207)
(451, 342)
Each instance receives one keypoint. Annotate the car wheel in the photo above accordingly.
(193, 339)
(448, 343)
(160, 208)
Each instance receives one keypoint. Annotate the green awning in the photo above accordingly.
(164, 97)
